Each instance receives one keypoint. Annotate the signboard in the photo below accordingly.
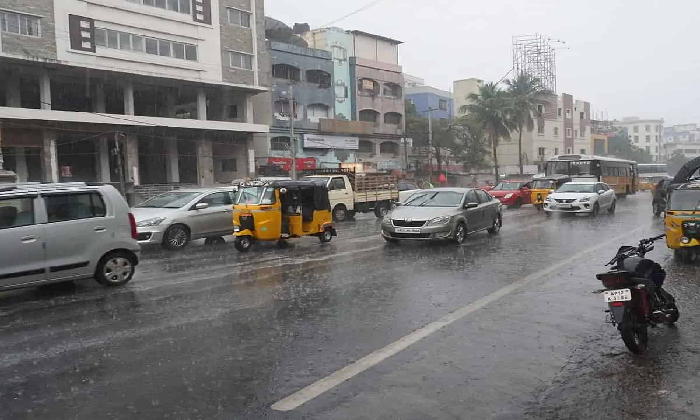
(286, 163)
(367, 84)
(317, 141)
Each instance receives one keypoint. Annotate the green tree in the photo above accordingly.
(472, 144)
(491, 108)
(620, 146)
(526, 93)
(443, 144)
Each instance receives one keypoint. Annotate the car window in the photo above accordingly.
(337, 183)
(484, 197)
(217, 199)
(65, 207)
(16, 212)
(471, 197)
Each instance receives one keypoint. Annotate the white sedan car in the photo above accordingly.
(581, 197)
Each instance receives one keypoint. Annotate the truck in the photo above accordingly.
(350, 192)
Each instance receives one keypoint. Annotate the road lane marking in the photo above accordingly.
(348, 372)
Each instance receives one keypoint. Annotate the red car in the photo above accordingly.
(512, 193)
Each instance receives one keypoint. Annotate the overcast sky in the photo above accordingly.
(627, 58)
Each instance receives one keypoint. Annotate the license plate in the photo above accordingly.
(619, 295)
(407, 230)
(564, 206)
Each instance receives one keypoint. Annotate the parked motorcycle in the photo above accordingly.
(634, 294)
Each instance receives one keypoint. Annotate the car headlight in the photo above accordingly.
(440, 220)
(548, 198)
(509, 195)
(150, 222)
(387, 218)
(584, 199)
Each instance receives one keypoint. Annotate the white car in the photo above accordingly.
(407, 189)
(581, 197)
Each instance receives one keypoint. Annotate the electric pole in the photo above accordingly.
(292, 139)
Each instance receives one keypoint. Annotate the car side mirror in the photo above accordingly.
(201, 206)
(471, 205)
(601, 192)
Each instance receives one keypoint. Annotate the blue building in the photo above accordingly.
(425, 98)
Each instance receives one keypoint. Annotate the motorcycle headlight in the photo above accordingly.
(440, 220)
(150, 222)
(509, 195)
(584, 199)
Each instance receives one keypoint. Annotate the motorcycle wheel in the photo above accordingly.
(633, 334)
(675, 314)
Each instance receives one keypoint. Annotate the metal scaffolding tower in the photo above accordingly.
(535, 55)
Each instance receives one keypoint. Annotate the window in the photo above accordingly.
(337, 183)
(316, 111)
(583, 131)
(392, 90)
(232, 111)
(568, 150)
(19, 24)
(368, 87)
(16, 212)
(636, 139)
(229, 165)
(217, 199)
(369, 115)
(392, 118)
(556, 151)
(319, 77)
(65, 207)
(242, 61)
(181, 6)
(692, 151)
(238, 17)
(647, 128)
(657, 149)
(282, 107)
(442, 104)
(656, 128)
(389, 147)
(556, 131)
(648, 149)
(339, 53)
(635, 129)
(365, 146)
(648, 138)
(285, 71)
(280, 143)
(540, 109)
(484, 197)
(471, 197)
(540, 151)
(575, 133)
(582, 115)
(131, 42)
(540, 129)
(583, 151)
(568, 113)
(558, 112)
(568, 133)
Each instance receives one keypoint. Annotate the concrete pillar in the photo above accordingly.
(249, 117)
(104, 173)
(226, 101)
(172, 166)
(132, 159)
(250, 157)
(205, 163)
(21, 169)
(13, 96)
(201, 104)
(129, 98)
(49, 157)
(45, 90)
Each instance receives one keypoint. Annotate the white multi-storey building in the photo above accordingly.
(169, 82)
(684, 138)
(646, 134)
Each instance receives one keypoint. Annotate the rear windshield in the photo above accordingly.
(685, 200)
(170, 200)
(576, 188)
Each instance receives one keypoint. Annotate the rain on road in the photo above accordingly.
(214, 334)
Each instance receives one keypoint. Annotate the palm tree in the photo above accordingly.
(491, 108)
(526, 92)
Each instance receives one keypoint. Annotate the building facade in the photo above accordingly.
(162, 90)
(683, 138)
(461, 89)
(428, 99)
(646, 134)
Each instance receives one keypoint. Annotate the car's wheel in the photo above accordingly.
(176, 237)
(596, 210)
(460, 233)
(518, 203)
(243, 243)
(611, 209)
(391, 240)
(496, 227)
(326, 236)
(214, 240)
(381, 209)
(115, 269)
(340, 213)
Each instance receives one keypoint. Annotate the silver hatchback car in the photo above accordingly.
(175, 218)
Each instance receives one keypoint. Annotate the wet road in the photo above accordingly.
(214, 334)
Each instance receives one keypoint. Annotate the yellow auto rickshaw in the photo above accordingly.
(281, 210)
(541, 187)
(683, 213)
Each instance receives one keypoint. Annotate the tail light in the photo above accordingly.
(618, 304)
(612, 281)
(132, 222)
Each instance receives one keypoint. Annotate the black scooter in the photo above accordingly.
(634, 294)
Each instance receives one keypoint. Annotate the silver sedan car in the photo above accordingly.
(443, 213)
(175, 218)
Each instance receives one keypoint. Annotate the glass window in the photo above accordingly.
(238, 17)
(169, 200)
(337, 183)
(185, 6)
(112, 39)
(484, 197)
(178, 50)
(149, 2)
(137, 43)
(12, 23)
(472, 197)
(245, 20)
(217, 199)
(151, 46)
(124, 41)
(15, 212)
(100, 37)
(65, 207)
(191, 52)
(174, 5)
(164, 48)
(160, 3)
(243, 61)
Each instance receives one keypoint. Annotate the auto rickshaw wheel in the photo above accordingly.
(243, 243)
(538, 207)
(688, 255)
(214, 240)
(326, 236)
(281, 243)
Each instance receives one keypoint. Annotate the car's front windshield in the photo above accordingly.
(576, 188)
(543, 184)
(507, 186)
(169, 200)
(688, 200)
(256, 195)
(435, 199)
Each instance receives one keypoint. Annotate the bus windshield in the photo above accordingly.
(574, 167)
